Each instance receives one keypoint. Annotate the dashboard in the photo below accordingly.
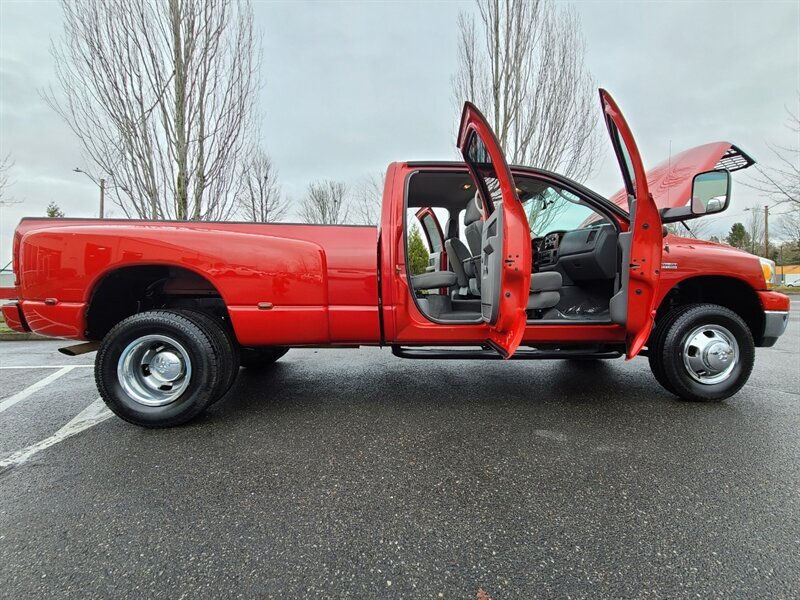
(581, 254)
(545, 249)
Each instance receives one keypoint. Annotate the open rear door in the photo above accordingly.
(432, 230)
(506, 243)
(634, 304)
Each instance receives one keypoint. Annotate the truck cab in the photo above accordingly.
(523, 264)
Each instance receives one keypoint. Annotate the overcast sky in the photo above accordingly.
(352, 86)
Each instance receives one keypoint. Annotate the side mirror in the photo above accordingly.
(711, 192)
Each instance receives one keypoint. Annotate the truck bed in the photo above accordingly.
(281, 283)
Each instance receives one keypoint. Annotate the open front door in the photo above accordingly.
(634, 304)
(506, 243)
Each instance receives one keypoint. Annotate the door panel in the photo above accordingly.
(491, 267)
(506, 243)
(432, 230)
(634, 304)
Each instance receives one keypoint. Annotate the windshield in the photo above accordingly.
(549, 208)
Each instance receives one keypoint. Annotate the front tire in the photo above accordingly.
(703, 352)
(158, 369)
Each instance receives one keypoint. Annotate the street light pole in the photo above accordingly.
(102, 185)
(102, 196)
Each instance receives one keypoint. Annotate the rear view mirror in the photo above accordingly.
(711, 192)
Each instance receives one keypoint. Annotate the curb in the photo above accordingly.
(22, 337)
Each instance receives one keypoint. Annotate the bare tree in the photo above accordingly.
(160, 95)
(259, 195)
(781, 183)
(369, 199)
(325, 203)
(754, 225)
(523, 66)
(6, 164)
(699, 229)
(789, 225)
(789, 228)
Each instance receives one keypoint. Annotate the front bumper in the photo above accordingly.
(775, 322)
(776, 316)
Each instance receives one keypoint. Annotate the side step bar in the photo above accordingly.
(489, 354)
(79, 349)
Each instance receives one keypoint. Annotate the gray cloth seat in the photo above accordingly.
(466, 260)
(457, 254)
(545, 290)
(473, 226)
(433, 280)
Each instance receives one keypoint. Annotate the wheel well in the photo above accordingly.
(132, 290)
(725, 291)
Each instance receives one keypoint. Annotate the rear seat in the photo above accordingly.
(433, 280)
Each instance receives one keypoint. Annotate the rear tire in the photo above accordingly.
(258, 358)
(704, 353)
(158, 369)
(225, 347)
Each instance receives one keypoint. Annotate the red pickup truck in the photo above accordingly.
(524, 264)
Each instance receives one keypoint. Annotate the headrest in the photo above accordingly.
(473, 212)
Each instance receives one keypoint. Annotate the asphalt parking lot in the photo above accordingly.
(354, 473)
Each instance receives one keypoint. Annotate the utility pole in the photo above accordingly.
(766, 230)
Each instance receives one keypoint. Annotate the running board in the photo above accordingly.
(489, 354)
(79, 349)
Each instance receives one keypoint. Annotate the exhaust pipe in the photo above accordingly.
(79, 349)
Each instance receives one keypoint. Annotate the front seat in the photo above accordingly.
(473, 225)
(545, 290)
(457, 255)
(465, 261)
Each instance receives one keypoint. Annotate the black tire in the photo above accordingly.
(193, 396)
(655, 343)
(258, 358)
(225, 346)
(677, 336)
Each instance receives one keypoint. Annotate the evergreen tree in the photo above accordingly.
(738, 237)
(54, 212)
(417, 252)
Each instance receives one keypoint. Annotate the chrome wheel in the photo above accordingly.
(154, 370)
(710, 353)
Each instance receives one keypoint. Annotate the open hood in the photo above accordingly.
(670, 183)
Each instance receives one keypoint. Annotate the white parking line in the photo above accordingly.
(32, 389)
(47, 367)
(90, 416)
